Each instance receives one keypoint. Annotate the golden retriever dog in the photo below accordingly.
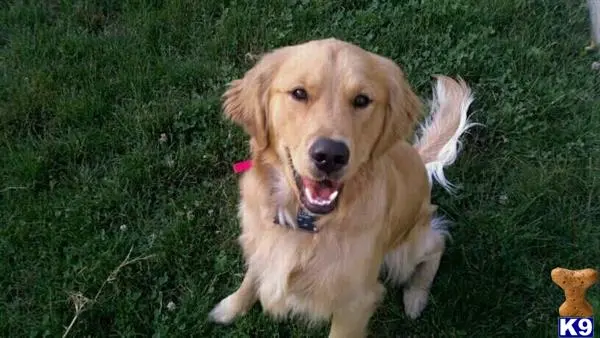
(338, 196)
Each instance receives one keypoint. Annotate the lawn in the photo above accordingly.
(112, 143)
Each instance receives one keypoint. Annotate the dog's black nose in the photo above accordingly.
(329, 155)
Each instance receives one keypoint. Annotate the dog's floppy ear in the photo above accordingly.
(402, 111)
(245, 101)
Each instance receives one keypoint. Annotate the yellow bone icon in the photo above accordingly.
(575, 284)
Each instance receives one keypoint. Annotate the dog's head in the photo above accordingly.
(325, 108)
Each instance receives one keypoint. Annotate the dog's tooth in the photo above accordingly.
(333, 196)
(308, 195)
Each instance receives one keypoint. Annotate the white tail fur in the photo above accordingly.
(439, 143)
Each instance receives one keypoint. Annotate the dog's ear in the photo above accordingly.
(403, 108)
(246, 100)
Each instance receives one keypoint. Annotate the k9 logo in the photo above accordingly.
(571, 327)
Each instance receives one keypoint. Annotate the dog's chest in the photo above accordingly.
(309, 273)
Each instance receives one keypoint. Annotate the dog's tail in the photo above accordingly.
(439, 140)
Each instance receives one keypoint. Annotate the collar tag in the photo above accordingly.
(305, 221)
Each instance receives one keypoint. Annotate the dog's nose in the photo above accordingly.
(329, 155)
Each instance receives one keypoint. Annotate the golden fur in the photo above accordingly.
(383, 218)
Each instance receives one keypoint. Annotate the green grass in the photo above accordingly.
(88, 87)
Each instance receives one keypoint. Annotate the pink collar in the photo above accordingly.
(240, 167)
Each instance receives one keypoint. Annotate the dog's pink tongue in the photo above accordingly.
(321, 190)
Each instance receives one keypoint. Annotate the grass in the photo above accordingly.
(87, 88)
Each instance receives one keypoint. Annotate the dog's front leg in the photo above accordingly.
(352, 320)
(236, 304)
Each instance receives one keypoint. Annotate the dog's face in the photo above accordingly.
(325, 108)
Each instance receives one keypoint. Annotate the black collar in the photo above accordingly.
(304, 220)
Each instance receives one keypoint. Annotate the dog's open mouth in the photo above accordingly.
(318, 197)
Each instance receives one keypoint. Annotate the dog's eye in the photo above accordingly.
(361, 101)
(300, 94)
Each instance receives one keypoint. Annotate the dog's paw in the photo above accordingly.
(415, 300)
(226, 311)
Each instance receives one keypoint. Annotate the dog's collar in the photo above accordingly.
(240, 167)
(305, 221)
